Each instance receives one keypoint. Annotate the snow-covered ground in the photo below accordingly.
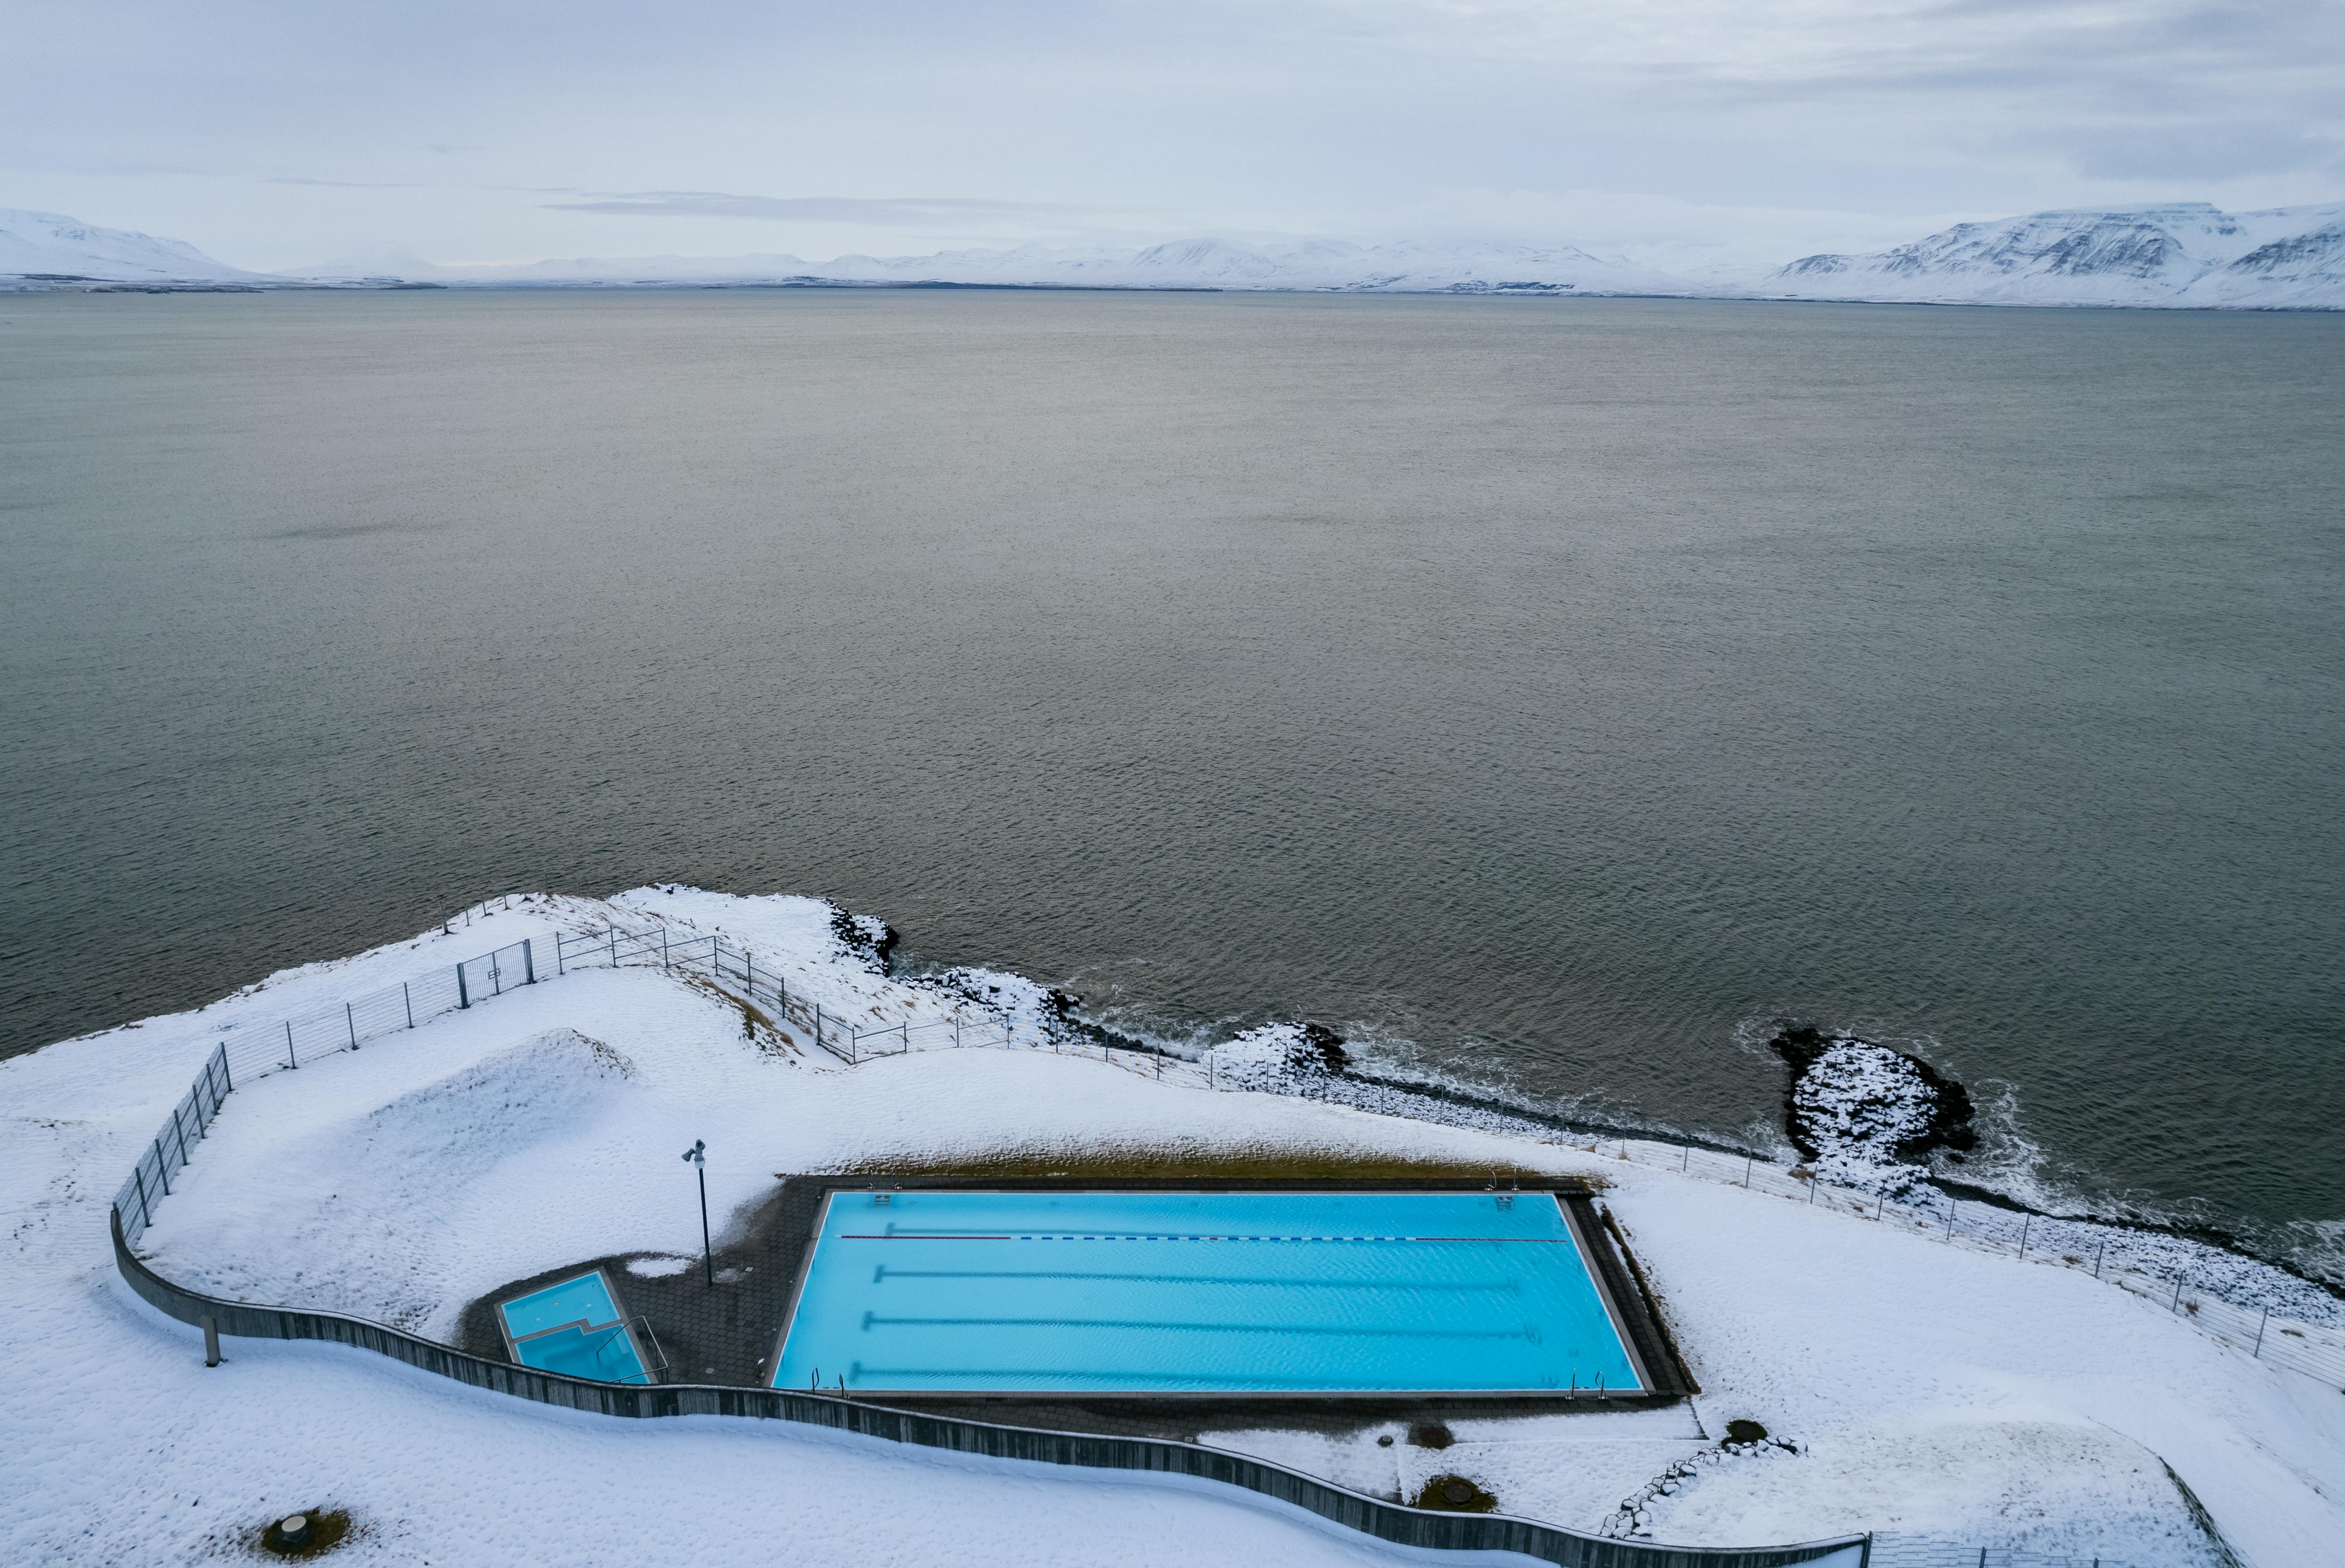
(1922, 1388)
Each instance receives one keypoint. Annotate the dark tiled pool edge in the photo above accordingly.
(1368, 1515)
(1631, 1305)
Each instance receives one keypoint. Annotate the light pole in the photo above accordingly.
(693, 1157)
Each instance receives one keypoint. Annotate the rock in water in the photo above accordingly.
(1863, 1115)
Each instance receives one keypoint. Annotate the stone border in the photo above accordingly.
(1367, 1515)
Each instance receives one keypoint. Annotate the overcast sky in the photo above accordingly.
(274, 133)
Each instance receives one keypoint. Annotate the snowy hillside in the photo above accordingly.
(39, 246)
(2184, 253)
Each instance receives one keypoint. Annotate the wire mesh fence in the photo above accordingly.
(254, 1051)
(962, 1024)
(1931, 1552)
(2315, 1350)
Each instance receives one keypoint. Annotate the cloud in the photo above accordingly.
(882, 212)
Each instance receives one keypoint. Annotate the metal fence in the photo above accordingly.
(1930, 1551)
(254, 1050)
(2312, 1349)
(1371, 1516)
(967, 1024)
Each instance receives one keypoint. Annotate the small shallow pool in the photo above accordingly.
(574, 1328)
(1157, 1292)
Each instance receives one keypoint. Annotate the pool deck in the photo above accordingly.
(728, 1334)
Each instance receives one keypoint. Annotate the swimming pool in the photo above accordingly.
(574, 1328)
(1163, 1292)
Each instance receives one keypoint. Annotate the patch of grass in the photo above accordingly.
(1453, 1494)
(329, 1527)
(1740, 1432)
(1204, 1161)
(757, 1025)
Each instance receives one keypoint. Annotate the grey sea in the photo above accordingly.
(1553, 694)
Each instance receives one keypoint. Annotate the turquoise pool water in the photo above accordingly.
(574, 1328)
(1200, 1292)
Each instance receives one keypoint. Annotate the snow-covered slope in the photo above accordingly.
(52, 245)
(2182, 253)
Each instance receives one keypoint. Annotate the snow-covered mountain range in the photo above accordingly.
(2184, 253)
(2181, 254)
(1408, 267)
(49, 246)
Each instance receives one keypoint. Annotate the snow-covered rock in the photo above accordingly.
(2178, 253)
(39, 247)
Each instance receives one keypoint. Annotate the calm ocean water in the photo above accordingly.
(1555, 690)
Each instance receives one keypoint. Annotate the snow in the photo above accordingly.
(2188, 254)
(1928, 1388)
(1858, 1101)
(2176, 253)
(52, 243)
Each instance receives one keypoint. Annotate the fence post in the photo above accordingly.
(291, 1060)
(662, 944)
(2259, 1352)
(2104, 1247)
(614, 947)
(407, 1000)
(463, 996)
(179, 1131)
(561, 966)
(145, 1209)
(1950, 1219)
(1746, 1170)
(818, 1026)
(2175, 1307)
(230, 1078)
(749, 962)
(163, 1174)
(2025, 1225)
(350, 1022)
(528, 964)
(212, 1339)
(854, 1045)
